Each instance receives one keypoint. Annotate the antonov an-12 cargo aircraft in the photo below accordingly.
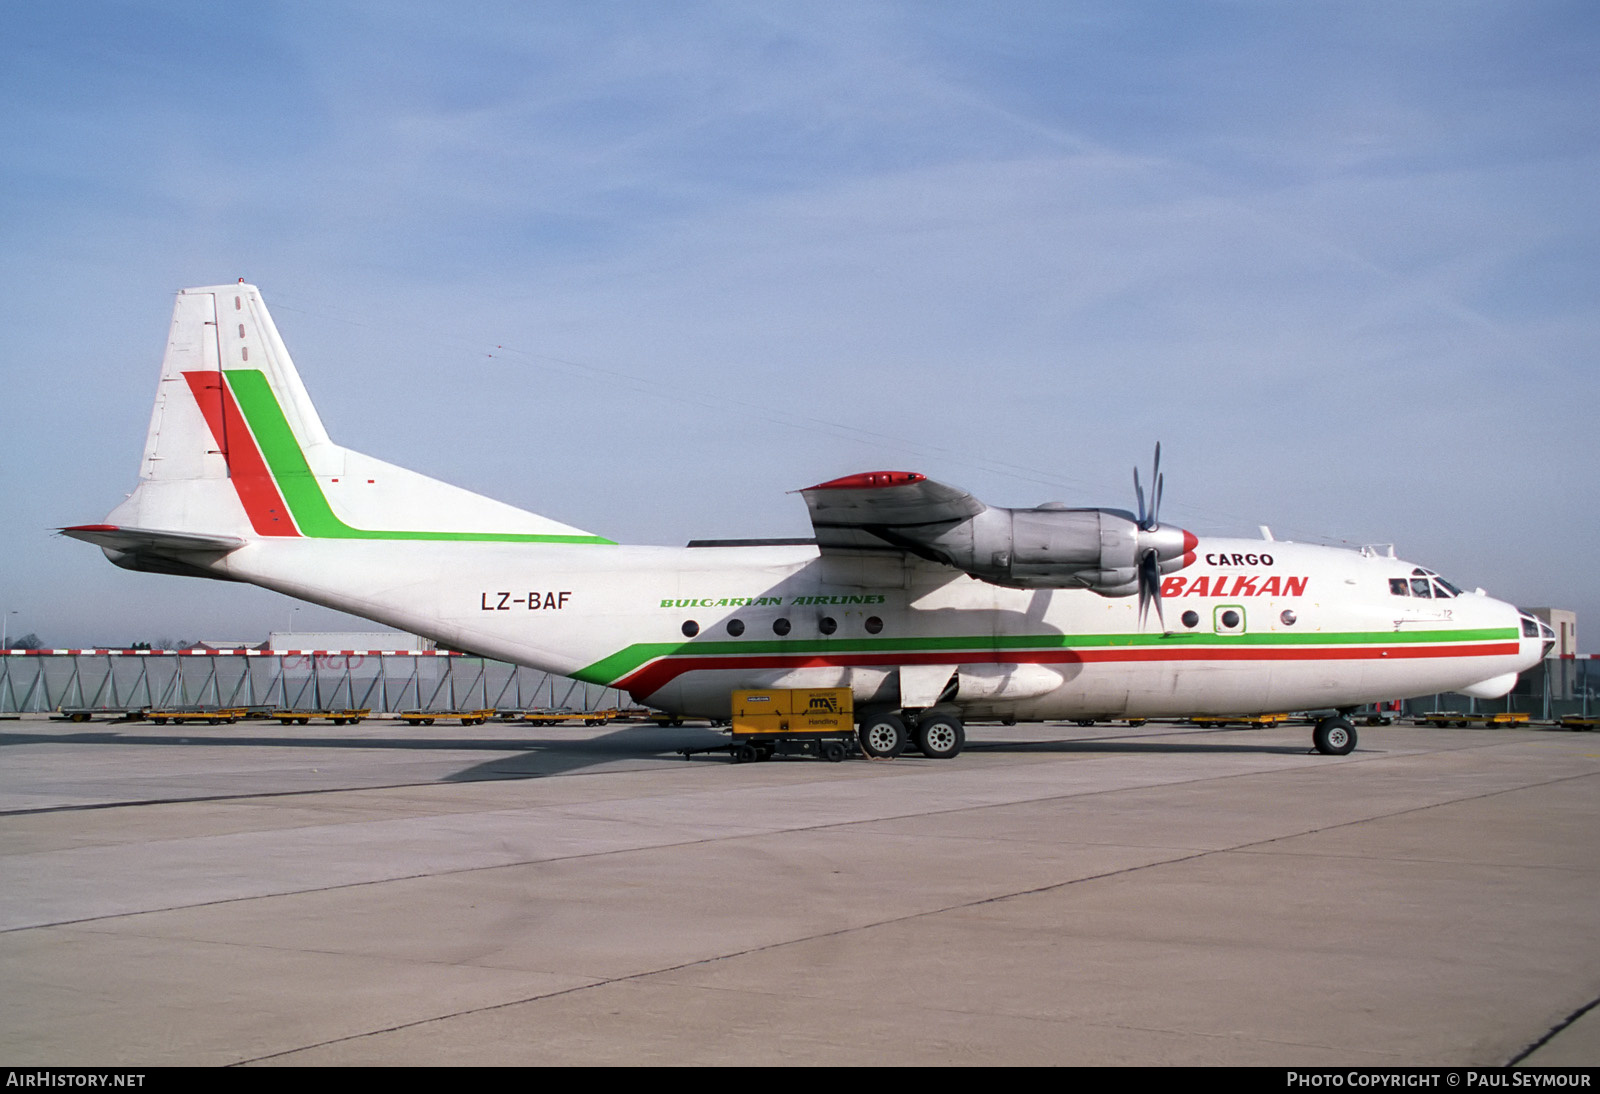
(931, 606)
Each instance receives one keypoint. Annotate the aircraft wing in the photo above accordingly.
(886, 510)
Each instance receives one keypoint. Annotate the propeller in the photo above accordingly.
(1149, 567)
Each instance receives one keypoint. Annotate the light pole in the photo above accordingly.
(5, 618)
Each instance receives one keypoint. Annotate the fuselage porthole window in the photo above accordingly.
(736, 627)
(780, 627)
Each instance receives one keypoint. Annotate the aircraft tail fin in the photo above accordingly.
(235, 448)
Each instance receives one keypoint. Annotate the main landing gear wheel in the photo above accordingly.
(1334, 737)
(883, 737)
(941, 737)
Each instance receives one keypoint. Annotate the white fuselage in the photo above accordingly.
(1252, 626)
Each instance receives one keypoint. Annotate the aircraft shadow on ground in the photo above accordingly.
(539, 757)
(534, 765)
(533, 757)
(1124, 746)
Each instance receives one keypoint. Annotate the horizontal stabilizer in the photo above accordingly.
(149, 540)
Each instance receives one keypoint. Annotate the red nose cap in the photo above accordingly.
(869, 479)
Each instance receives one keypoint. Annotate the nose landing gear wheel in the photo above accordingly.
(940, 737)
(1334, 737)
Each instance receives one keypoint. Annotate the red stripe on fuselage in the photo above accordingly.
(656, 675)
(269, 516)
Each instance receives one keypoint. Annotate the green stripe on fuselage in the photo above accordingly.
(299, 486)
(627, 660)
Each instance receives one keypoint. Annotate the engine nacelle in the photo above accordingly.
(1054, 548)
(1109, 551)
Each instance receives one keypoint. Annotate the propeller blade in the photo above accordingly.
(1148, 517)
(1150, 588)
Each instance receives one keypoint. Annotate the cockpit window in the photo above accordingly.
(1426, 583)
(1530, 627)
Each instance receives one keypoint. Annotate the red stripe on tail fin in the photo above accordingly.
(259, 495)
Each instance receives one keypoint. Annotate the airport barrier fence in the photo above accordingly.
(390, 681)
(1554, 688)
(384, 681)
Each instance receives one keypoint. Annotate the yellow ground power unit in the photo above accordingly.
(793, 721)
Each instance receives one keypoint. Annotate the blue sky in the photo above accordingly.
(646, 267)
